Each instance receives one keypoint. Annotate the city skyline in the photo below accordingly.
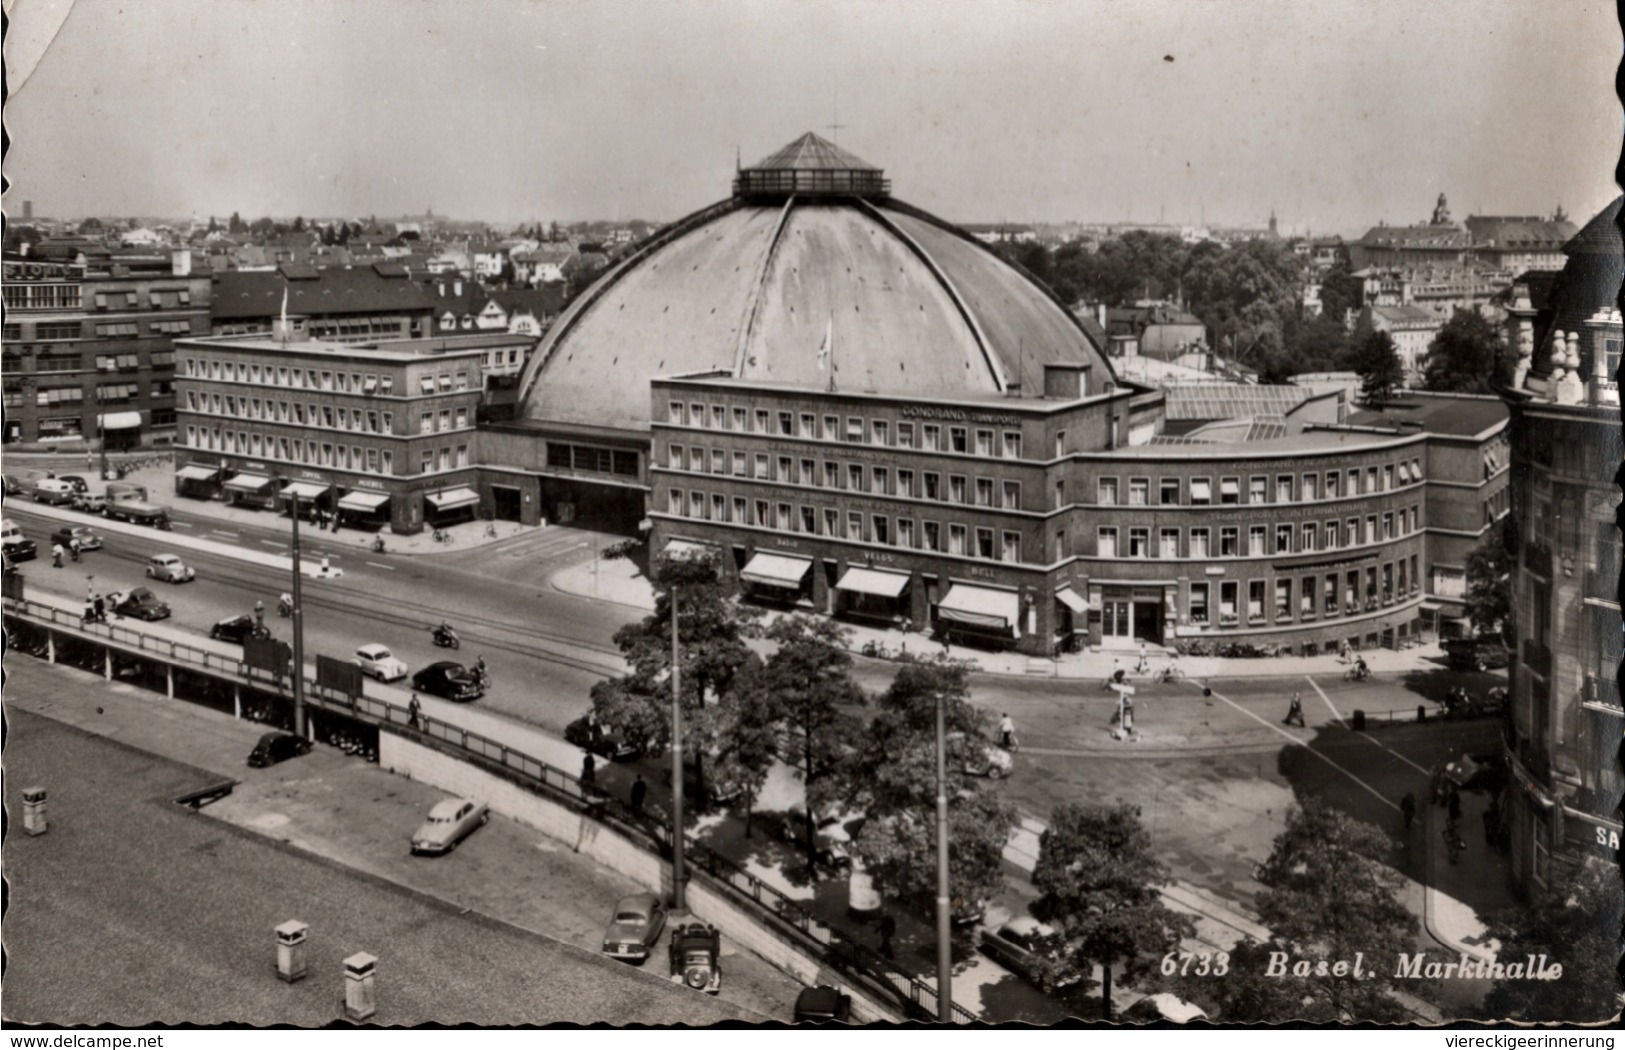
(524, 111)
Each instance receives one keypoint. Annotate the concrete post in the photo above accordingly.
(290, 950)
(107, 664)
(169, 681)
(236, 701)
(50, 647)
(34, 811)
(360, 998)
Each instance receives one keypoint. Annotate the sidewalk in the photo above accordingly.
(622, 582)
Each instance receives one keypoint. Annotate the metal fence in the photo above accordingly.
(770, 907)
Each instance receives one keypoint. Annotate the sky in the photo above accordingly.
(1334, 114)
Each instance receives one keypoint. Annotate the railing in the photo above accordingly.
(772, 908)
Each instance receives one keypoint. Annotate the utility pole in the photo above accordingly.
(677, 890)
(945, 1012)
(298, 631)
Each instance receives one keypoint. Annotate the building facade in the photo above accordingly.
(381, 434)
(339, 304)
(89, 346)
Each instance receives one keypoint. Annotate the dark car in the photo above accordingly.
(1476, 654)
(21, 548)
(600, 740)
(1023, 946)
(823, 1003)
(139, 603)
(14, 486)
(234, 629)
(696, 957)
(88, 540)
(635, 927)
(450, 680)
(75, 480)
(277, 747)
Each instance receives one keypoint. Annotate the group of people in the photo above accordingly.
(74, 549)
(96, 609)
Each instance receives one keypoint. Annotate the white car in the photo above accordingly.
(380, 663)
(449, 823)
(170, 569)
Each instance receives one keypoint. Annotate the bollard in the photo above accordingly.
(290, 950)
(360, 998)
(1359, 721)
(1421, 713)
(34, 811)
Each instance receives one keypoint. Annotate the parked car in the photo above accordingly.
(696, 956)
(169, 568)
(1162, 1007)
(1476, 654)
(380, 663)
(88, 541)
(449, 823)
(1023, 946)
(90, 502)
(79, 484)
(139, 603)
(234, 629)
(823, 1003)
(601, 740)
(635, 927)
(53, 491)
(138, 512)
(450, 680)
(277, 747)
(17, 546)
(831, 835)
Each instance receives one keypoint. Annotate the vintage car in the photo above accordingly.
(635, 927)
(603, 741)
(277, 747)
(823, 1003)
(832, 834)
(1476, 654)
(169, 568)
(1024, 946)
(450, 822)
(696, 956)
(139, 603)
(378, 662)
(88, 541)
(450, 680)
(235, 629)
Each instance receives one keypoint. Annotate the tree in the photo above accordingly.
(743, 732)
(1101, 890)
(1328, 898)
(1340, 292)
(1373, 356)
(1571, 925)
(711, 633)
(298, 224)
(1467, 356)
(214, 226)
(1489, 584)
(893, 774)
(805, 689)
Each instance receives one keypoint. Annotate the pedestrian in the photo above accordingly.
(414, 712)
(73, 548)
(1294, 713)
(1453, 804)
(640, 791)
(1142, 667)
(56, 555)
(589, 774)
(259, 613)
(100, 606)
(1343, 652)
(1007, 731)
(1128, 716)
(945, 646)
(888, 930)
(1407, 806)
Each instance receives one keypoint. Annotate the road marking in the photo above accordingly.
(1277, 729)
(180, 524)
(1368, 736)
(272, 543)
(1316, 686)
(218, 532)
(381, 565)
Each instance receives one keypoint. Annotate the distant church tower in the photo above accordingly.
(1441, 213)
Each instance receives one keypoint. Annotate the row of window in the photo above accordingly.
(28, 296)
(562, 455)
(369, 460)
(1288, 488)
(1310, 536)
(789, 470)
(1316, 595)
(73, 362)
(319, 379)
(298, 413)
(49, 331)
(982, 442)
(957, 538)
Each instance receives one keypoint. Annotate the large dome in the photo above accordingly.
(810, 248)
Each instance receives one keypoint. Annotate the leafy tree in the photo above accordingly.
(1373, 356)
(1467, 356)
(743, 732)
(711, 633)
(1489, 584)
(298, 224)
(235, 224)
(804, 687)
(1101, 889)
(214, 226)
(1328, 898)
(582, 275)
(893, 773)
(1571, 926)
(91, 225)
(1340, 292)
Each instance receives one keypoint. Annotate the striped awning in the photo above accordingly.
(980, 606)
(451, 499)
(247, 482)
(364, 501)
(197, 472)
(873, 581)
(1071, 599)
(776, 570)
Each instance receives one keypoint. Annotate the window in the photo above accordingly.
(761, 514)
(1229, 541)
(832, 475)
(984, 442)
(462, 417)
(1106, 491)
(1257, 536)
(1352, 488)
(1139, 543)
(1012, 444)
(905, 435)
(1371, 479)
(1388, 526)
(764, 469)
(1387, 477)
(809, 520)
(741, 420)
(956, 488)
(1168, 492)
(1371, 527)
(832, 522)
(741, 510)
(1255, 600)
(854, 428)
(956, 539)
(1198, 603)
(787, 424)
(674, 457)
(1331, 484)
(832, 428)
(1283, 488)
(1106, 542)
(957, 441)
(882, 478)
(462, 455)
(1011, 494)
(1353, 533)
(1139, 491)
(763, 422)
(719, 421)
(786, 472)
(1199, 544)
(427, 466)
(905, 532)
(1060, 443)
(719, 507)
(1168, 543)
(696, 503)
(741, 465)
(809, 427)
(1310, 486)
(1283, 599)
(1283, 539)
(984, 492)
(1306, 536)
(1330, 534)
(854, 477)
(1228, 592)
(984, 543)
(931, 532)
(719, 461)
(809, 472)
(880, 432)
(785, 517)
(1010, 547)
(1329, 606)
(1201, 492)
(932, 489)
(1230, 490)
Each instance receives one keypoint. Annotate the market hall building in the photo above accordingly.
(863, 412)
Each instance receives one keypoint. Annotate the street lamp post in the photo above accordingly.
(298, 631)
(944, 945)
(677, 895)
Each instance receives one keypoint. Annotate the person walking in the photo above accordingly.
(1343, 652)
(1294, 713)
(56, 555)
(589, 775)
(1142, 667)
(1407, 806)
(259, 613)
(414, 712)
(640, 791)
(73, 548)
(100, 606)
(1007, 732)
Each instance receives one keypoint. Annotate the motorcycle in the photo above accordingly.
(446, 637)
(284, 608)
(1357, 673)
(378, 545)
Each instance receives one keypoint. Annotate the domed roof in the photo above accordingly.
(753, 287)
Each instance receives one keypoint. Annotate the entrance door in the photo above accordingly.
(1115, 616)
(505, 502)
(1148, 621)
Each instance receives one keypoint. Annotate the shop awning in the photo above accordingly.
(776, 570)
(247, 482)
(1071, 599)
(873, 581)
(979, 606)
(451, 499)
(305, 490)
(118, 420)
(687, 549)
(197, 472)
(367, 501)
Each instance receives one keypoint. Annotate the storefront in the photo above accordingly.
(197, 481)
(364, 507)
(1132, 614)
(875, 596)
(450, 506)
(317, 495)
(777, 579)
(1071, 619)
(120, 431)
(249, 490)
(979, 615)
